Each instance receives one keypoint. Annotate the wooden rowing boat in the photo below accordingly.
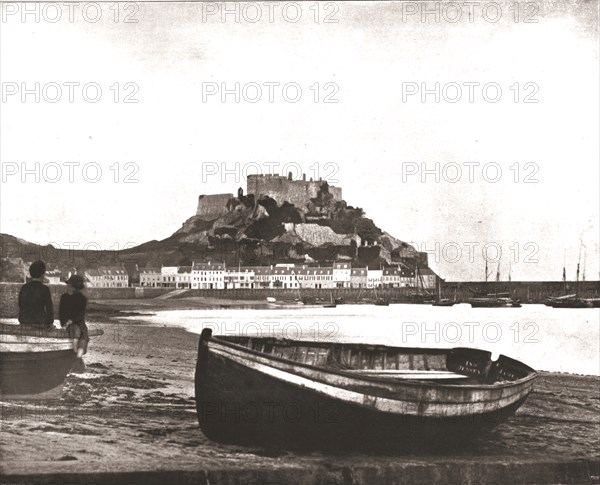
(34, 361)
(298, 394)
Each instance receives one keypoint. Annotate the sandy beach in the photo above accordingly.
(135, 404)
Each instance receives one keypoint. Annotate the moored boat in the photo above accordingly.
(573, 300)
(494, 302)
(568, 301)
(34, 361)
(313, 395)
(443, 302)
(594, 302)
(382, 302)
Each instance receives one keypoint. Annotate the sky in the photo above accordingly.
(384, 100)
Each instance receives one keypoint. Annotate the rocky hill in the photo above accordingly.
(250, 231)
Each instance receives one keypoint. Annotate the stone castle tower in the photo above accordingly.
(285, 189)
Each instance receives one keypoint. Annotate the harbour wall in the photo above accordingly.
(527, 292)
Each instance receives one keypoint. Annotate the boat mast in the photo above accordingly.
(497, 279)
(565, 272)
(577, 280)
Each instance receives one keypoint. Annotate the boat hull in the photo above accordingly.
(34, 375)
(443, 303)
(254, 403)
(569, 304)
(493, 303)
(34, 362)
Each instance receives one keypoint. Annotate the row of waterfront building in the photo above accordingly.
(205, 276)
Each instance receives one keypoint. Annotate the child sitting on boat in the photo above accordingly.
(71, 312)
(35, 301)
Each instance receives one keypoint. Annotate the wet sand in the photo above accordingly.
(135, 404)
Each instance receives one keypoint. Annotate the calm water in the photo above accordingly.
(562, 340)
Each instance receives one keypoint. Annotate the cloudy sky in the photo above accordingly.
(512, 165)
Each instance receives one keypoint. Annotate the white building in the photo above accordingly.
(208, 276)
(236, 278)
(150, 277)
(53, 277)
(168, 276)
(358, 278)
(284, 277)
(374, 278)
(107, 277)
(310, 277)
(341, 274)
(183, 278)
(392, 278)
(262, 276)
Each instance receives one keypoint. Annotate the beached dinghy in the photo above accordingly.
(297, 394)
(34, 361)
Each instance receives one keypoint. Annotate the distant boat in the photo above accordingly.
(382, 302)
(379, 300)
(271, 299)
(421, 295)
(332, 304)
(595, 302)
(570, 301)
(443, 302)
(299, 394)
(34, 362)
(494, 302)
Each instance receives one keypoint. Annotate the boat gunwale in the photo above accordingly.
(11, 348)
(374, 389)
(51, 332)
(412, 382)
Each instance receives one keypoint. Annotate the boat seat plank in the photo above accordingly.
(410, 374)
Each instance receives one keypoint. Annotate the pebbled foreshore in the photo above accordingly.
(131, 418)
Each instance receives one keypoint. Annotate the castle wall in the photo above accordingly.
(213, 205)
(282, 189)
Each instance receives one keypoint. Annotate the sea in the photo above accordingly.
(545, 338)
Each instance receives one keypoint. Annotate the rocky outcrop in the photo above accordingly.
(317, 235)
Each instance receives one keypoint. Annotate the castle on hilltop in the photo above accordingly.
(285, 189)
(281, 189)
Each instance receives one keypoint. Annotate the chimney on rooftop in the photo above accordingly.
(289, 175)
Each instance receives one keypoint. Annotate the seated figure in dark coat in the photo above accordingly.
(71, 313)
(35, 301)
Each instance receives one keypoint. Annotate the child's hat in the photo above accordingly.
(76, 281)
